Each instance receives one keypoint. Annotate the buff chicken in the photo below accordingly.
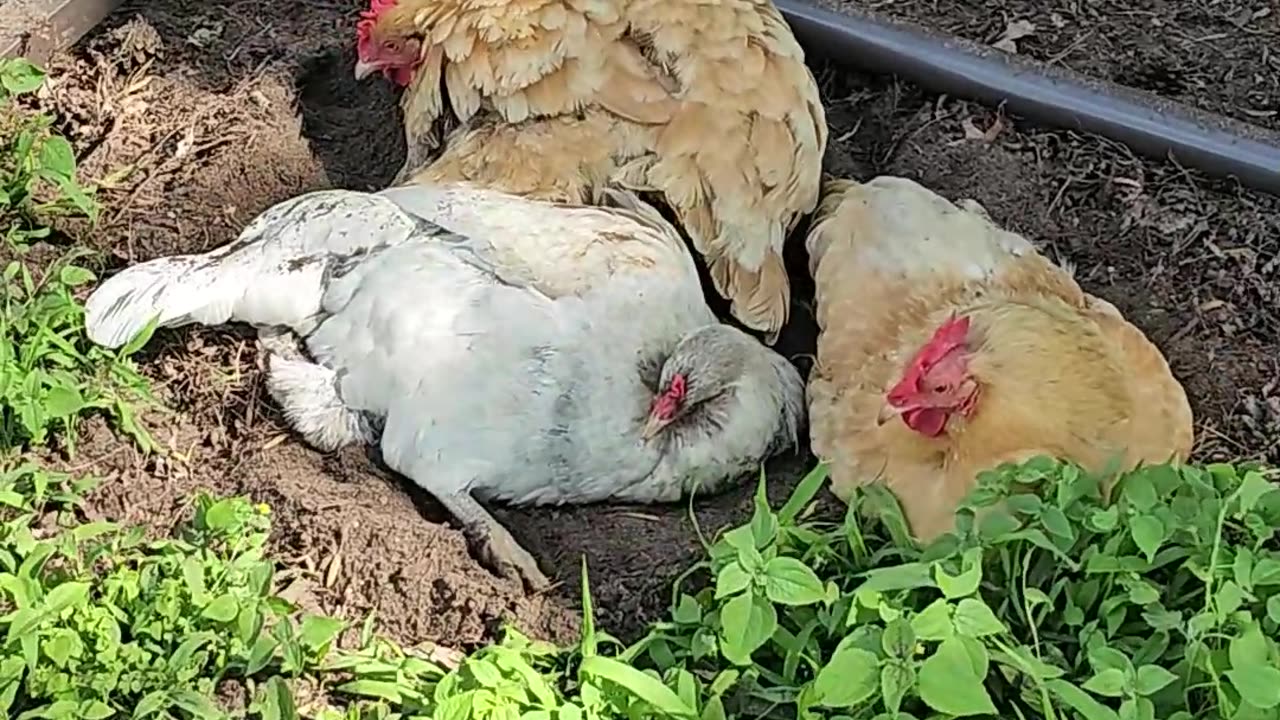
(948, 346)
(539, 365)
(708, 104)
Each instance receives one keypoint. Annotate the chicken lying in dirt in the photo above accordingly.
(707, 103)
(948, 346)
(539, 365)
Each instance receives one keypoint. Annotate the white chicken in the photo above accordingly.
(497, 348)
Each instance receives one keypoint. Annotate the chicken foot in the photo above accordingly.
(282, 342)
(492, 542)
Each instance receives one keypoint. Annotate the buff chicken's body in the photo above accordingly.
(708, 104)
(948, 346)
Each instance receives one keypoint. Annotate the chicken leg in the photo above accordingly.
(492, 542)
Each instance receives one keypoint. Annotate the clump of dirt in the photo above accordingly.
(196, 116)
(1219, 56)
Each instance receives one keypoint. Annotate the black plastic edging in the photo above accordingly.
(1149, 125)
(37, 29)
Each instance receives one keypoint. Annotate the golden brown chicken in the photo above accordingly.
(949, 345)
(708, 103)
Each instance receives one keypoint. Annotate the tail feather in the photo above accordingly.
(273, 274)
(178, 290)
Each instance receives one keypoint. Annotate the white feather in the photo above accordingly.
(503, 357)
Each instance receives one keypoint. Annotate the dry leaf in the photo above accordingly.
(1013, 32)
(973, 132)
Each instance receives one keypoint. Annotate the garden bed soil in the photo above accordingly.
(1218, 55)
(194, 116)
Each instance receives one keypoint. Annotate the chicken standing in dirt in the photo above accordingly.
(537, 366)
(708, 103)
(949, 346)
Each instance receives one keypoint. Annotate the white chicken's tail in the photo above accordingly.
(273, 274)
(178, 290)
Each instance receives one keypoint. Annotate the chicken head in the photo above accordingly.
(386, 43)
(937, 383)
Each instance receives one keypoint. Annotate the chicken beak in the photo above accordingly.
(653, 426)
(364, 69)
(887, 413)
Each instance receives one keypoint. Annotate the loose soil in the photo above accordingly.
(194, 116)
(1218, 55)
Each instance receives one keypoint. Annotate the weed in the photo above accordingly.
(49, 375)
(1053, 604)
(34, 163)
(102, 623)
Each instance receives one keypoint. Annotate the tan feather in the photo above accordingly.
(711, 104)
(1061, 372)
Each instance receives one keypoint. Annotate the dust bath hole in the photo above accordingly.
(354, 127)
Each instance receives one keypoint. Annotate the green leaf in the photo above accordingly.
(56, 156)
(277, 701)
(790, 582)
(1273, 608)
(949, 683)
(747, 622)
(638, 683)
(381, 689)
(1109, 682)
(63, 401)
(958, 586)
(318, 631)
(74, 276)
(849, 679)
(975, 619)
(1258, 685)
(1252, 489)
(64, 596)
(1151, 679)
(1250, 648)
(1229, 598)
(731, 580)
(221, 515)
(1080, 701)
(1148, 533)
(196, 704)
(805, 491)
(899, 577)
(19, 76)
(222, 609)
(95, 710)
(152, 703)
(934, 622)
(1266, 572)
(1105, 520)
(1139, 491)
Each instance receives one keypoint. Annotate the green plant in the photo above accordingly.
(50, 375)
(102, 623)
(516, 678)
(1046, 602)
(37, 166)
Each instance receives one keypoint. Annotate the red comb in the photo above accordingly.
(946, 338)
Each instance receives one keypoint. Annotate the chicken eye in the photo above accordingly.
(944, 388)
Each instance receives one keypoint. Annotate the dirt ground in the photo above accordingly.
(1218, 55)
(196, 115)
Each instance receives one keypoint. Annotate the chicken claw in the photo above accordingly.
(500, 551)
(492, 542)
(281, 342)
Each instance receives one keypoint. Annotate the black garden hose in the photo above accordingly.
(1152, 126)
